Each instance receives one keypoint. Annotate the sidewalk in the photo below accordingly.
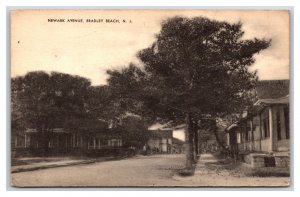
(58, 163)
(216, 172)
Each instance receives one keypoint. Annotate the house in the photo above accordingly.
(160, 141)
(262, 136)
(88, 136)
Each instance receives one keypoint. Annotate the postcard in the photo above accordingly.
(150, 98)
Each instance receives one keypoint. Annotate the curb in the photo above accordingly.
(66, 164)
(51, 166)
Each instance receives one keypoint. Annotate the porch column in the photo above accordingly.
(71, 140)
(282, 123)
(252, 147)
(272, 124)
(74, 140)
(260, 131)
(25, 139)
(77, 140)
(94, 143)
(16, 141)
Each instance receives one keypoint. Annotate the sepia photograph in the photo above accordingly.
(150, 98)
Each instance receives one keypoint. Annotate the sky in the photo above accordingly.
(89, 49)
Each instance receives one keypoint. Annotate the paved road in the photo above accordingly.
(156, 170)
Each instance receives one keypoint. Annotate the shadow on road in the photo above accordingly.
(189, 171)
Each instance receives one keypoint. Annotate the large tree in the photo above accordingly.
(196, 69)
(109, 103)
(46, 101)
(135, 131)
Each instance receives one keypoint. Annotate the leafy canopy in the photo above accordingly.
(196, 65)
(46, 101)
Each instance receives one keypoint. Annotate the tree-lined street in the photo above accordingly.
(196, 76)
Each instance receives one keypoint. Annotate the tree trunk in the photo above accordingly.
(193, 149)
(189, 143)
(194, 136)
(196, 141)
(218, 139)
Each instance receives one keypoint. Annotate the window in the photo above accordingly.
(248, 130)
(266, 127)
(103, 142)
(242, 137)
(19, 141)
(287, 122)
(91, 142)
(278, 125)
(97, 141)
(113, 142)
(246, 134)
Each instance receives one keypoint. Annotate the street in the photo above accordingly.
(154, 170)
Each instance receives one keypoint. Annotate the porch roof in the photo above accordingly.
(272, 89)
(282, 100)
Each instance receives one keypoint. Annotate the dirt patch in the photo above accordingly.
(239, 169)
(269, 172)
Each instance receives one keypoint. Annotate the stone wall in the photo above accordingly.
(259, 160)
(283, 145)
(282, 161)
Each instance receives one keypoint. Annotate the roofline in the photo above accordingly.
(274, 80)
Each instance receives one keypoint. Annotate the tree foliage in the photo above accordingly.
(197, 68)
(201, 65)
(46, 101)
(135, 131)
(196, 65)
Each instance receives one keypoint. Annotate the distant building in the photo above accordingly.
(89, 135)
(160, 141)
(178, 146)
